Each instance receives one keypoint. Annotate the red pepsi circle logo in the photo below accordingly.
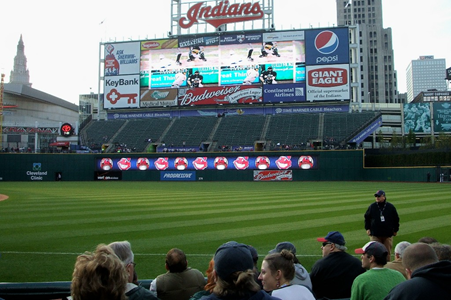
(326, 42)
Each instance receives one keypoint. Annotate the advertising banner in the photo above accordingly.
(327, 46)
(218, 162)
(273, 175)
(158, 97)
(238, 94)
(367, 131)
(178, 176)
(442, 116)
(329, 82)
(286, 93)
(121, 92)
(122, 58)
(417, 117)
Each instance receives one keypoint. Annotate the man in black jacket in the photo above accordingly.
(428, 277)
(382, 221)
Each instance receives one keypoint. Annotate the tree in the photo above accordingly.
(411, 138)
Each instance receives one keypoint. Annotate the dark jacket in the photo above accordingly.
(140, 293)
(429, 282)
(333, 275)
(374, 223)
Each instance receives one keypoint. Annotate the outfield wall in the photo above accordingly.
(326, 166)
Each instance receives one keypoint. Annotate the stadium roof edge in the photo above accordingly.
(34, 94)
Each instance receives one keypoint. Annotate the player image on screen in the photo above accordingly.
(251, 75)
(235, 59)
(195, 80)
(196, 52)
(180, 78)
(268, 76)
(165, 63)
(269, 48)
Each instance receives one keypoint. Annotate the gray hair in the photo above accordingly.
(341, 247)
(400, 247)
(124, 251)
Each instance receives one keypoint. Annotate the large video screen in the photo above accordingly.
(218, 162)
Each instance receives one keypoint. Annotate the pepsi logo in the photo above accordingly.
(326, 42)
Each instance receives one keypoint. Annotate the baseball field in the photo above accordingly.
(45, 225)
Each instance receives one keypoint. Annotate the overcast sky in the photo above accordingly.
(62, 37)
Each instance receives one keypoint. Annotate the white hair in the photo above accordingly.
(400, 247)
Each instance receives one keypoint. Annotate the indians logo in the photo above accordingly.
(142, 163)
(283, 162)
(106, 164)
(241, 163)
(262, 162)
(200, 163)
(221, 163)
(124, 164)
(326, 42)
(181, 163)
(161, 163)
(305, 162)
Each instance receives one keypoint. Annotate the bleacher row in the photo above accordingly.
(230, 130)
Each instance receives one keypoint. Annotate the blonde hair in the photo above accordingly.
(100, 275)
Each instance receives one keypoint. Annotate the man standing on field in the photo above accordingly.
(382, 221)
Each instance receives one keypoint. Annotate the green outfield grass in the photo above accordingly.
(45, 225)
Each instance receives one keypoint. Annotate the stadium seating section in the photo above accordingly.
(293, 131)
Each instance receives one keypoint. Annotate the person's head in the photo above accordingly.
(176, 261)
(332, 242)
(416, 256)
(270, 68)
(443, 251)
(210, 276)
(99, 275)
(427, 240)
(399, 249)
(196, 72)
(277, 269)
(374, 254)
(123, 250)
(380, 196)
(234, 271)
(285, 246)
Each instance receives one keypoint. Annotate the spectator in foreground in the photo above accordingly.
(333, 275)
(277, 273)
(397, 263)
(377, 282)
(99, 275)
(429, 278)
(179, 282)
(443, 251)
(427, 240)
(208, 288)
(234, 274)
(382, 221)
(301, 277)
(133, 291)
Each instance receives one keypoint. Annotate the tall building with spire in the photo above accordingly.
(378, 78)
(20, 73)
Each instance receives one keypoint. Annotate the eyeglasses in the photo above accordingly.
(326, 243)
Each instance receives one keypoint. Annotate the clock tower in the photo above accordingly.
(20, 73)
